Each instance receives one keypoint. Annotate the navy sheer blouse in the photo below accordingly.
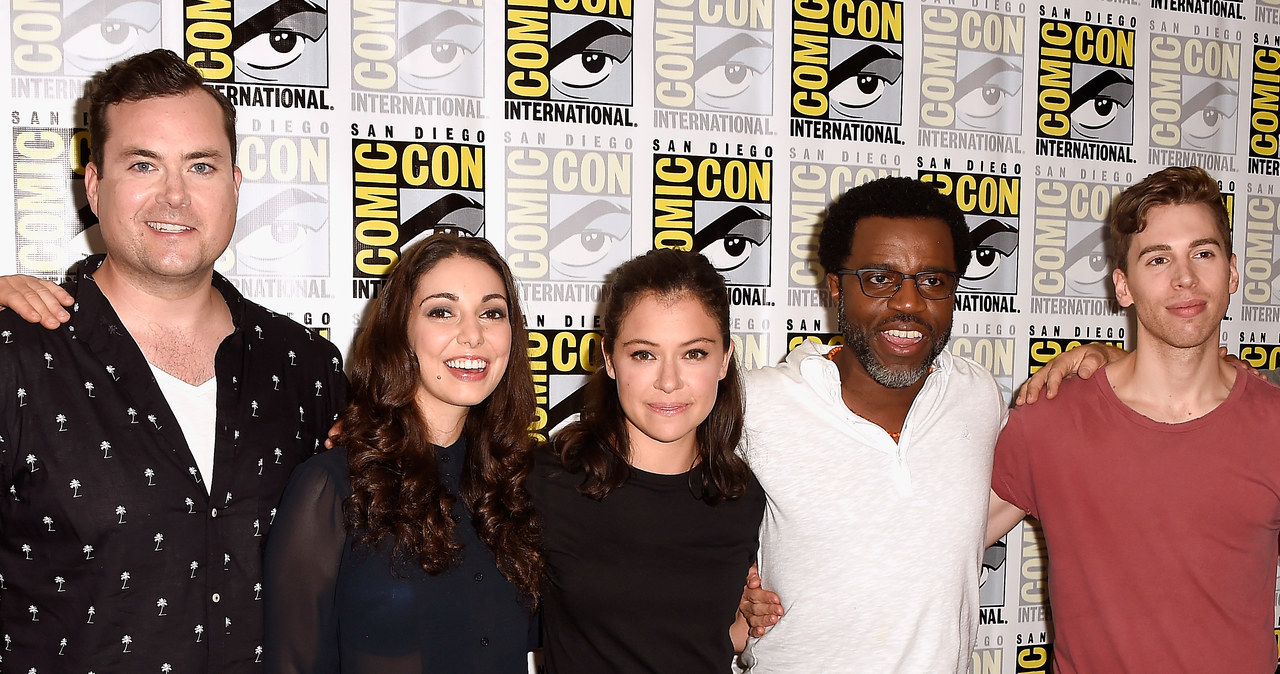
(331, 608)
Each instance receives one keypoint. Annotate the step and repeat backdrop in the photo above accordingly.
(577, 133)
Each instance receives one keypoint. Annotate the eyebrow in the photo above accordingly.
(454, 298)
(152, 154)
(1164, 247)
(639, 341)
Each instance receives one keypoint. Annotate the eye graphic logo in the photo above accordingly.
(1087, 271)
(1099, 108)
(83, 37)
(1208, 116)
(439, 49)
(994, 265)
(281, 42)
(589, 236)
(730, 71)
(281, 231)
(866, 83)
(729, 236)
(590, 60)
(989, 97)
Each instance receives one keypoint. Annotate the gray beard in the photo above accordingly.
(860, 344)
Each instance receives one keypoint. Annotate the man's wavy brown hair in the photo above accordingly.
(395, 480)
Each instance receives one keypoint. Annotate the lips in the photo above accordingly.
(668, 409)
(167, 227)
(1187, 309)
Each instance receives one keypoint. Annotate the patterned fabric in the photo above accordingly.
(113, 555)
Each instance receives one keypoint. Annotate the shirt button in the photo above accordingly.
(216, 597)
(445, 458)
(479, 577)
(484, 641)
(213, 513)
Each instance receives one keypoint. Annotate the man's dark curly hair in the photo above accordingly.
(892, 197)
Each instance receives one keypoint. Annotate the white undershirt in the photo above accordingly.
(196, 408)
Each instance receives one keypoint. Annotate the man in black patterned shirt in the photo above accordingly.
(145, 443)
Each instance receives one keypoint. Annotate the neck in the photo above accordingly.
(1171, 384)
(444, 422)
(158, 301)
(662, 458)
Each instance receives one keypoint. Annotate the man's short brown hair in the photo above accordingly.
(1172, 186)
(138, 78)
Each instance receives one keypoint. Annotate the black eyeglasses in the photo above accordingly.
(883, 283)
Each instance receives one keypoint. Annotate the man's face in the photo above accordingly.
(165, 189)
(1180, 276)
(896, 339)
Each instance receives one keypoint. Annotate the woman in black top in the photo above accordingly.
(413, 548)
(649, 517)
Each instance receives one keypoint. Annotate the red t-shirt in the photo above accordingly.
(1161, 538)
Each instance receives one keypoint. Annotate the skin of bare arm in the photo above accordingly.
(1002, 516)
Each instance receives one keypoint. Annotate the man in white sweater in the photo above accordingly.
(876, 456)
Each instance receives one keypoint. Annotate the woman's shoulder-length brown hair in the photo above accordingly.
(397, 492)
(597, 444)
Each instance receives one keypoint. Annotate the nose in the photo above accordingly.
(1184, 274)
(175, 192)
(470, 332)
(907, 300)
(668, 376)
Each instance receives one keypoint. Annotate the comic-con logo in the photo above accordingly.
(569, 63)
(568, 213)
(846, 69)
(49, 206)
(417, 57)
(1084, 102)
(713, 56)
(971, 76)
(1264, 120)
(1260, 263)
(76, 38)
(990, 204)
(814, 185)
(993, 353)
(406, 191)
(1069, 258)
(1195, 91)
(561, 361)
(281, 243)
(261, 53)
(720, 207)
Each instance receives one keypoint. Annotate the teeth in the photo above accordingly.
(904, 334)
(167, 227)
(467, 363)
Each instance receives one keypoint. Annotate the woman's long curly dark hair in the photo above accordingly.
(597, 444)
(395, 480)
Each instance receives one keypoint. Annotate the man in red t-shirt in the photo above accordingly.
(1157, 481)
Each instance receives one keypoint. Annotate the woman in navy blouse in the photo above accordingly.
(412, 546)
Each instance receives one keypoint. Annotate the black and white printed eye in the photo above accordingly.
(585, 60)
(101, 33)
(281, 35)
(432, 52)
(862, 79)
